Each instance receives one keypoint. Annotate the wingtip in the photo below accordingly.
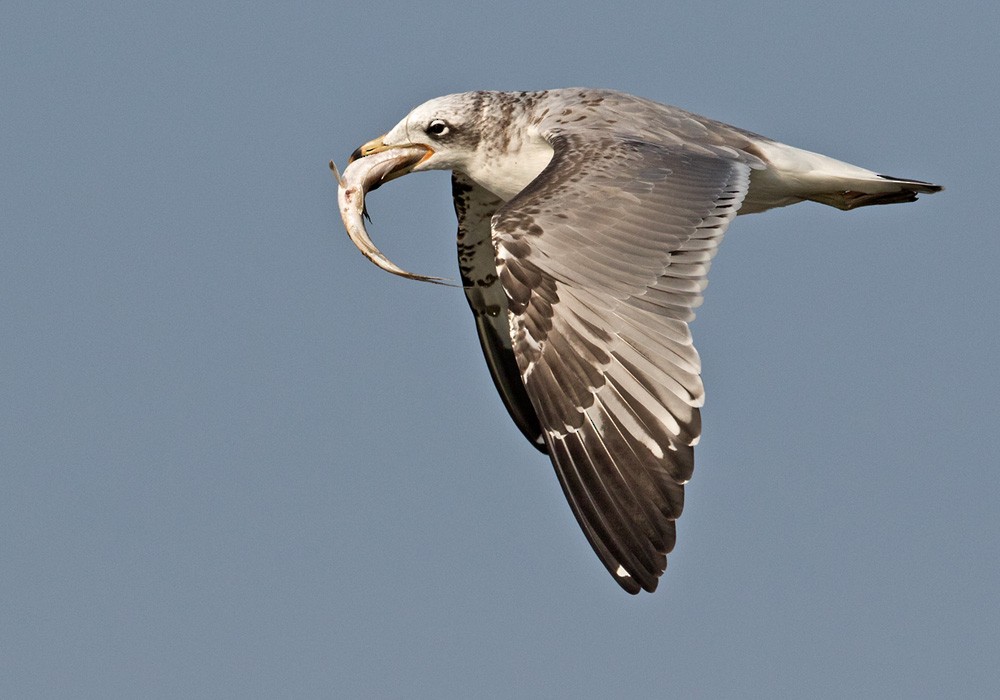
(633, 586)
(915, 185)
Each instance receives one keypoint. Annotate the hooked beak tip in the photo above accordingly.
(373, 146)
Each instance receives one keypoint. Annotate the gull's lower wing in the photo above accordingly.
(474, 207)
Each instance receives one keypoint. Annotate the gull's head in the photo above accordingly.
(473, 133)
(447, 128)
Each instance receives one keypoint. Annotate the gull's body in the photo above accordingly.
(587, 220)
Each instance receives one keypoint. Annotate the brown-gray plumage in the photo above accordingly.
(587, 223)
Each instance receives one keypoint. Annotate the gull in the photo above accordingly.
(587, 220)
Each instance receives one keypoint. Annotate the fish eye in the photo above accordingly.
(437, 127)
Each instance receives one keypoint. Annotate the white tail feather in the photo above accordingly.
(792, 175)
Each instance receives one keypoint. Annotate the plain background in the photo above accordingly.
(240, 461)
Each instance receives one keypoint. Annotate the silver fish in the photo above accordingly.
(362, 176)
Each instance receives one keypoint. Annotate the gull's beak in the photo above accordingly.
(419, 151)
(373, 146)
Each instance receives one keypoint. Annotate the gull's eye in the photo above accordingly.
(438, 128)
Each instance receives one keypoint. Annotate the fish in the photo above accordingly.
(363, 175)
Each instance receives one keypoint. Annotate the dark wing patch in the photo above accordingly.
(603, 258)
(474, 207)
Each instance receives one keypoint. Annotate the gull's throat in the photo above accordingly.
(506, 174)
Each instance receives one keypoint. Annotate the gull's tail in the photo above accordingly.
(791, 175)
(866, 192)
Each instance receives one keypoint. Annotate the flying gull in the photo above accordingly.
(587, 220)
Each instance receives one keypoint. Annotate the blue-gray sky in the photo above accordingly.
(239, 461)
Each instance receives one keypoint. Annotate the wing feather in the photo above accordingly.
(474, 208)
(603, 258)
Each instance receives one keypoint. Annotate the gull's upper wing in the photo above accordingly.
(602, 259)
(474, 207)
